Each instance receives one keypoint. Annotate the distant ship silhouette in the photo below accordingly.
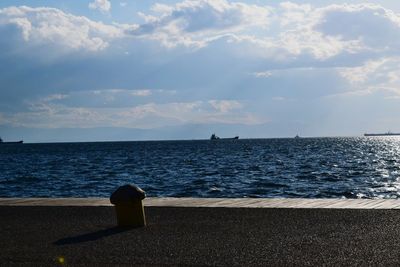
(17, 142)
(381, 134)
(215, 137)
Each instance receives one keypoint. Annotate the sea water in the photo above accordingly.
(306, 168)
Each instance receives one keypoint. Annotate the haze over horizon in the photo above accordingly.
(140, 70)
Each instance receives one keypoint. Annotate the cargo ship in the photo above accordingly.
(16, 142)
(381, 134)
(215, 137)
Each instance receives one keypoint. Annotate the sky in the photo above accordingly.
(155, 70)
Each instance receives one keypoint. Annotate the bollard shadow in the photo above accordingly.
(91, 236)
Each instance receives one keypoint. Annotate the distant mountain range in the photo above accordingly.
(180, 132)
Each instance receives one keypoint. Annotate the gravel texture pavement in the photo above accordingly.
(88, 236)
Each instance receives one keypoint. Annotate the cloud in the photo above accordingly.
(210, 57)
(225, 106)
(303, 29)
(357, 28)
(124, 92)
(52, 27)
(357, 75)
(372, 25)
(328, 32)
(374, 75)
(299, 31)
(263, 74)
(49, 112)
(196, 22)
(143, 92)
(105, 98)
(295, 14)
(101, 5)
(211, 15)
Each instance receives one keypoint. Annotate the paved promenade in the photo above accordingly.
(201, 232)
(217, 202)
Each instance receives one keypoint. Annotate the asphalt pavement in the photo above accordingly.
(88, 236)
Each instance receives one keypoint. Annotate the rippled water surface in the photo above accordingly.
(307, 168)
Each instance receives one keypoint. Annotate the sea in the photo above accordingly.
(343, 167)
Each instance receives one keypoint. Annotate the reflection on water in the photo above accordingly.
(307, 167)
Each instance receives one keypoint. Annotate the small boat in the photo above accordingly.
(215, 137)
(297, 136)
(4, 143)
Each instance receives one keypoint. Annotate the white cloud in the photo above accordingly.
(302, 34)
(371, 27)
(374, 26)
(263, 74)
(374, 75)
(195, 22)
(129, 92)
(104, 98)
(213, 15)
(54, 97)
(143, 92)
(123, 4)
(161, 9)
(51, 26)
(101, 5)
(295, 14)
(360, 74)
(224, 106)
(321, 47)
(45, 113)
(327, 32)
(299, 30)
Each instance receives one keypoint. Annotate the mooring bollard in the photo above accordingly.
(128, 206)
